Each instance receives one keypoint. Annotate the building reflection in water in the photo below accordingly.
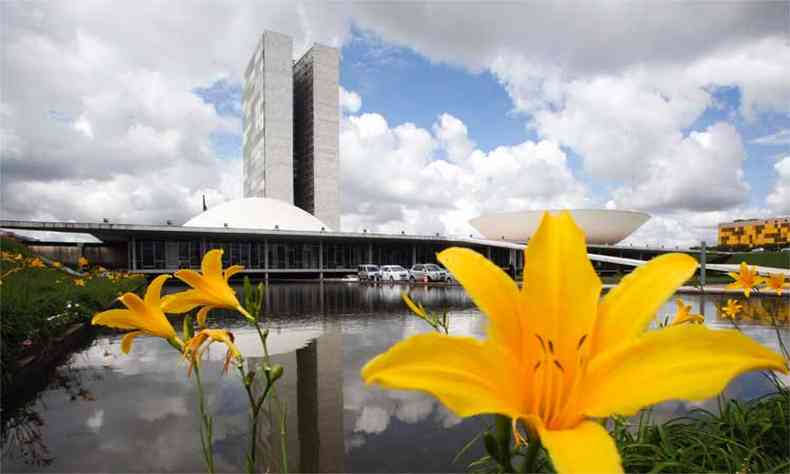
(309, 399)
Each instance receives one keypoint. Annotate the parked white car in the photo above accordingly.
(368, 273)
(428, 272)
(394, 273)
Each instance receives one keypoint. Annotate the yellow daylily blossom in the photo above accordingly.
(37, 263)
(83, 262)
(776, 282)
(56, 264)
(731, 309)
(556, 357)
(209, 290)
(746, 278)
(144, 316)
(79, 282)
(683, 314)
(192, 348)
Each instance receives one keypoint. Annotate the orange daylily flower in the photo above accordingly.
(557, 357)
(210, 290)
(746, 278)
(683, 314)
(145, 316)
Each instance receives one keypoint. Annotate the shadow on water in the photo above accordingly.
(136, 411)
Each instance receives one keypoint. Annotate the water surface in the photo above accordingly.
(109, 412)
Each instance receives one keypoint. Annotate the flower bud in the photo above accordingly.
(273, 373)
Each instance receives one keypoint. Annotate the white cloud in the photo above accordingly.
(350, 102)
(779, 199)
(83, 126)
(620, 84)
(454, 137)
(685, 228)
(782, 137)
(99, 117)
(372, 420)
(395, 178)
(701, 172)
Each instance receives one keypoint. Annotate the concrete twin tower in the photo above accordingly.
(291, 127)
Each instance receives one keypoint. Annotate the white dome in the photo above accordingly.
(257, 213)
(600, 226)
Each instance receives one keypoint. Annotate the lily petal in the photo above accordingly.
(562, 291)
(116, 318)
(183, 301)
(232, 270)
(211, 266)
(586, 448)
(195, 280)
(491, 289)
(626, 311)
(202, 314)
(154, 290)
(470, 377)
(133, 302)
(686, 362)
(127, 339)
(418, 310)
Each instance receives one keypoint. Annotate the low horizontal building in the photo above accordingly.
(754, 233)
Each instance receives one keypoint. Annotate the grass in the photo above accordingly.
(744, 437)
(39, 303)
(765, 259)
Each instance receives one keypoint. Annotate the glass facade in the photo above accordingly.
(297, 255)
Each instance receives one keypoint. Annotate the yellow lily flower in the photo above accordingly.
(145, 316)
(555, 356)
(731, 309)
(210, 290)
(192, 348)
(79, 282)
(56, 264)
(83, 262)
(683, 314)
(37, 263)
(776, 282)
(746, 278)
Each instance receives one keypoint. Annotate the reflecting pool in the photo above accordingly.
(109, 412)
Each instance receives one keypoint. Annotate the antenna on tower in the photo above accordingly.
(205, 208)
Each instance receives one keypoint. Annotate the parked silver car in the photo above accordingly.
(368, 273)
(394, 273)
(428, 272)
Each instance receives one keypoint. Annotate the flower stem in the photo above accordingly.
(206, 441)
(533, 448)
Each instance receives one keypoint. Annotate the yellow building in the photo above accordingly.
(754, 233)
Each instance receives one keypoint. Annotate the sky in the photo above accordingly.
(131, 111)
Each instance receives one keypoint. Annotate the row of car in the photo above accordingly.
(423, 272)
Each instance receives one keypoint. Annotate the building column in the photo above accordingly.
(266, 261)
(321, 260)
(133, 262)
(414, 254)
(370, 252)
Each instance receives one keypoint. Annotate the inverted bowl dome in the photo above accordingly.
(258, 213)
(600, 226)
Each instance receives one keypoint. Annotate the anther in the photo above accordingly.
(536, 366)
(559, 366)
(542, 344)
(581, 341)
(551, 347)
